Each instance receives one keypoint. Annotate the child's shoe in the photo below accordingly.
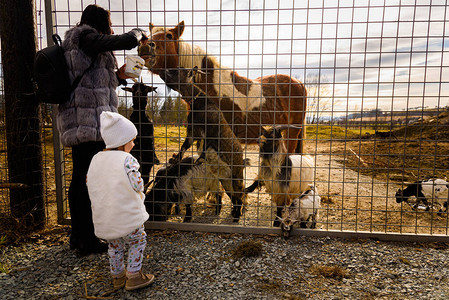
(119, 280)
(138, 280)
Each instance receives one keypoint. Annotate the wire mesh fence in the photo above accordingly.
(11, 222)
(362, 84)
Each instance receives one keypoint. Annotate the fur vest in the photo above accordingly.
(79, 119)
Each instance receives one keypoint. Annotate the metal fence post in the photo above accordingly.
(57, 147)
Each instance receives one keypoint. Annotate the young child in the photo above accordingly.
(116, 192)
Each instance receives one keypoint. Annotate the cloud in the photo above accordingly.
(386, 56)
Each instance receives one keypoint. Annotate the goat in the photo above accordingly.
(143, 150)
(285, 176)
(185, 181)
(303, 209)
(425, 191)
(207, 126)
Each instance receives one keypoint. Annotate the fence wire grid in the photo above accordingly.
(376, 120)
(6, 215)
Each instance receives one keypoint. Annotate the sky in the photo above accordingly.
(390, 54)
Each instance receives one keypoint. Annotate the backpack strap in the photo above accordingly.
(78, 79)
(57, 40)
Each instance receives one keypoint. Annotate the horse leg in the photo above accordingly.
(188, 216)
(234, 190)
(300, 145)
(218, 207)
(277, 222)
(238, 195)
(293, 140)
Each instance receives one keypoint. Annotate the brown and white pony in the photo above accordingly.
(247, 104)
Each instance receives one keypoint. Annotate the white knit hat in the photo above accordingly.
(116, 130)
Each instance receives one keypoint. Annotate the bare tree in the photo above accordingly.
(180, 111)
(318, 100)
(154, 107)
(22, 113)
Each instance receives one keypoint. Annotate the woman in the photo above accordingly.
(78, 119)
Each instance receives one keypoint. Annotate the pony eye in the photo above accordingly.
(169, 36)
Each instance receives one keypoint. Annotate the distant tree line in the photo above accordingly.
(162, 110)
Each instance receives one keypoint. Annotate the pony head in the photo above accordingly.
(162, 48)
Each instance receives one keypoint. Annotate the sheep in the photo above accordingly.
(208, 127)
(425, 191)
(285, 176)
(183, 182)
(303, 209)
(143, 150)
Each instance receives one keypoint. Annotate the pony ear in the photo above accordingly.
(178, 30)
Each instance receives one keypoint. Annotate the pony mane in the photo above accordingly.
(191, 56)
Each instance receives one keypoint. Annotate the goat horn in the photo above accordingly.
(197, 70)
(266, 127)
(283, 127)
(280, 219)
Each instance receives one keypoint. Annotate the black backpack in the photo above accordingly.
(51, 74)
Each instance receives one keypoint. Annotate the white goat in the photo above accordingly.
(303, 209)
(284, 176)
(431, 192)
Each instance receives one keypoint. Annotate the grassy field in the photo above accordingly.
(171, 135)
(326, 132)
(168, 136)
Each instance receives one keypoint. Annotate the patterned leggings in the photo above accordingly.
(136, 241)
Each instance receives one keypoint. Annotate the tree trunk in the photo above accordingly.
(23, 125)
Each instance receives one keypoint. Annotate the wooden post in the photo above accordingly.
(22, 121)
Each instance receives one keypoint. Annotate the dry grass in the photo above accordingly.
(329, 271)
(248, 249)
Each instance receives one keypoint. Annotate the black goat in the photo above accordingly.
(183, 182)
(143, 150)
(158, 201)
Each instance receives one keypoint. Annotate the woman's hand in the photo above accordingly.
(140, 34)
(121, 73)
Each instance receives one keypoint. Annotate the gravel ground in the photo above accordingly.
(204, 266)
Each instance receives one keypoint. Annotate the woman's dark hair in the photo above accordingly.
(97, 17)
